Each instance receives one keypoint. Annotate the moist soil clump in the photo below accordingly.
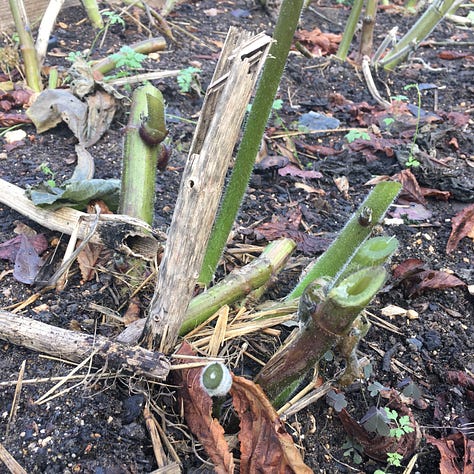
(97, 426)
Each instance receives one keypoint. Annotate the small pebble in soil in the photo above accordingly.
(132, 408)
(432, 340)
(414, 343)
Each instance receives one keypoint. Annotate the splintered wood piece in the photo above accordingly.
(201, 185)
(75, 346)
(119, 232)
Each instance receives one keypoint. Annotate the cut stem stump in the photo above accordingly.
(201, 185)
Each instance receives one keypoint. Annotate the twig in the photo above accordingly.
(10, 462)
(16, 396)
(75, 346)
(46, 27)
(113, 230)
(371, 84)
(151, 424)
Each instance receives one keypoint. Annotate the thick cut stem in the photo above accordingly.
(93, 13)
(238, 283)
(368, 24)
(349, 30)
(199, 194)
(324, 328)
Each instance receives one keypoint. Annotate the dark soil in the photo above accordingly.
(98, 427)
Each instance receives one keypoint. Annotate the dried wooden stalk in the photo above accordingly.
(201, 185)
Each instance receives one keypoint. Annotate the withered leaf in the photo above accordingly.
(319, 43)
(416, 277)
(376, 446)
(411, 191)
(462, 226)
(295, 171)
(10, 248)
(452, 55)
(264, 443)
(87, 259)
(369, 148)
(27, 262)
(10, 119)
(450, 449)
(198, 413)
(287, 226)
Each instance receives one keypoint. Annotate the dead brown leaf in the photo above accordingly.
(411, 191)
(436, 193)
(133, 311)
(462, 226)
(197, 406)
(416, 277)
(288, 226)
(319, 43)
(264, 443)
(451, 448)
(295, 171)
(369, 148)
(376, 446)
(453, 55)
(87, 259)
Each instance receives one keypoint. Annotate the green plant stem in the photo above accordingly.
(238, 284)
(140, 158)
(368, 24)
(325, 326)
(147, 46)
(349, 30)
(27, 46)
(267, 87)
(372, 252)
(93, 13)
(53, 78)
(418, 32)
(337, 256)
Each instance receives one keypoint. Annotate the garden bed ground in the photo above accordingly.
(98, 427)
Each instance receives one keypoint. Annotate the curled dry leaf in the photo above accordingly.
(264, 443)
(411, 191)
(319, 43)
(450, 449)
(416, 277)
(462, 226)
(287, 226)
(198, 413)
(376, 446)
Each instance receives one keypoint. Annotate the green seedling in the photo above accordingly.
(73, 56)
(402, 423)
(412, 162)
(113, 18)
(128, 59)
(393, 459)
(44, 168)
(356, 135)
(188, 79)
